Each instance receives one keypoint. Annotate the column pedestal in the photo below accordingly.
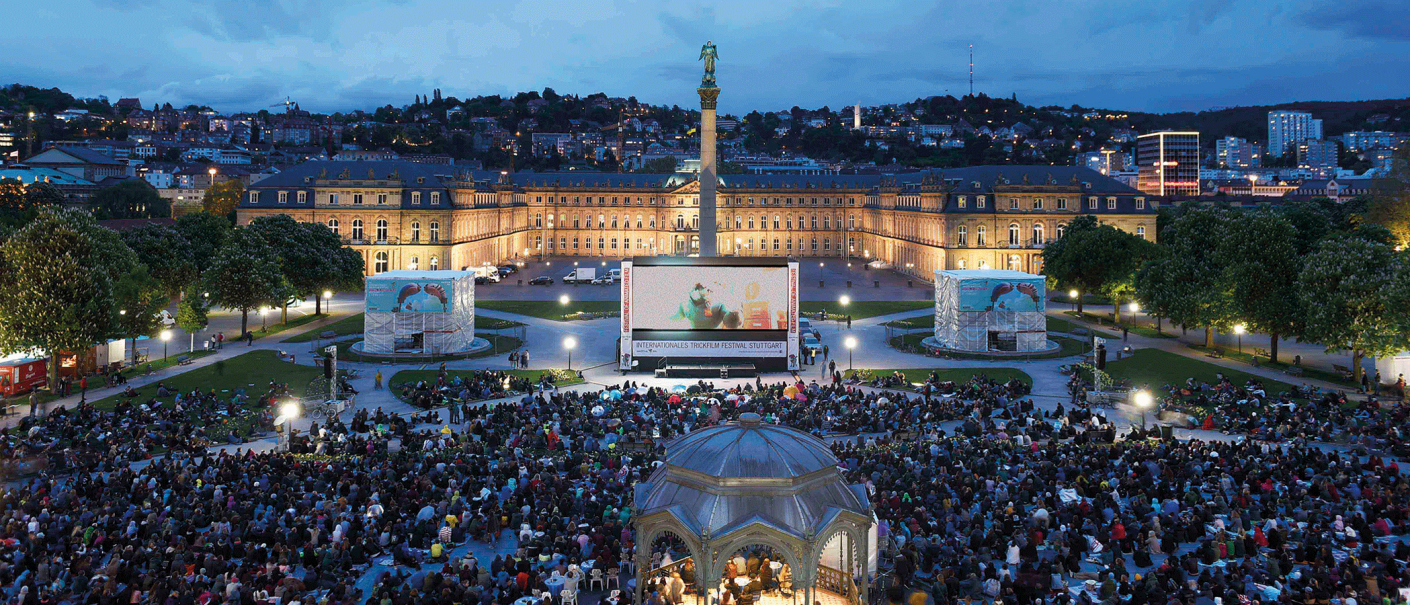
(708, 180)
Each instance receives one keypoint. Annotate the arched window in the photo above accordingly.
(738, 222)
(961, 264)
(680, 221)
(979, 236)
(435, 263)
(827, 222)
(695, 222)
(380, 263)
(1141, 231)
(435, 231)
(1061, 228)
(357, 229)
(751, 222)
(1015, 263)
(333, 226)
(601, 220)
(614, 221)
(776, 222)
(1013, 234)
(538, 220)
(1037, 233)
(415, 263)
(638, 221)
(381, 230)
(415, 232)
(962, 236)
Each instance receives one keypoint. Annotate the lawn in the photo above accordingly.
(911, 323)
(862, 309)
(919, 375)
(1105, 321)
(1067, 326)
(251, 371)
(271, 328)
(354, 325)
(1068, 347)
(1153, 369)
(1246, 356)
(342, 327)
(552, 309)
(1060, 297)
(504, 344)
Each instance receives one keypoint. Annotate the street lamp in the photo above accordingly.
(569, 343)
(1142, 400)
(288, 413)
(166, 335)
(1240, 329)
(262, 311)
(563, 299)
(851, 343)
(1072, 299)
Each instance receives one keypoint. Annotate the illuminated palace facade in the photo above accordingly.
(404, 215)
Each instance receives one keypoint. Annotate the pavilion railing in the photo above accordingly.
(837, 581)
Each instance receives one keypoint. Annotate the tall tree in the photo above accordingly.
(1186, 284)
(56, 286)
(222, 198)
(244, 275)
(311, 256)
(1261, 268)
(192, 314)
(1354, 294)
(206, 233)
(132, 198)
(167, 254)
(140, 299)
(1389, 205)
(1095, 259)
(43, 195)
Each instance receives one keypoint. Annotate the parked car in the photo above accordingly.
(542, 280)
(166, 318)
(603, 280)
(508, 269)
(811, 343)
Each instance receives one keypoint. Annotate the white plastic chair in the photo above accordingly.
(569, 597)
(614, 576)
(596, 580)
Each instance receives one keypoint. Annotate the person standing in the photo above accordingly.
(220, 340)
(849, 322)
(83, 389)
(824, 352)
(377, 381)
(33, 402)
(524, 359)
(1377, 386)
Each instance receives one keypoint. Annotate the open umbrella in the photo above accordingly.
(731, 397)
(680, 388)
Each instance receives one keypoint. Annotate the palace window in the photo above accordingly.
(1037, 233)
(333, 225)
(435, 263)
(1013, 234)
(962, 236)
(435, 198)
(961, 202)
(827, 222)
(1092, 203)
(1062, 203)
(776, 248)
(415, 232)
(254, 197)
(283, 197)
(614, 240)
(575, 243)
(357, 229)
(1140, 203)
(1141, 231)
(435, 232)
(333, 199)
(978, 201)
(614, 220)
(380, 263)
(1015, 263)
(301, 197)
(381, 199)
(601, 221)
(381, 230)
(1111, 203)
(1013, 203)
(1037, 203)
(416, 198)
(538, 221)
(415, 263)
(813, 221)
(601, 243)
(357, 199)
(738, 222)
(751, 222)
(776, 221)
(960, 264)
(979, 236)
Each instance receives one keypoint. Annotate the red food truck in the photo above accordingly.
(20, 375)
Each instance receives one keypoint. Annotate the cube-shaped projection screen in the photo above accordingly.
(419, 312)
(990, 310)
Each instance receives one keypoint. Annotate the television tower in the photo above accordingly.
(971, 70)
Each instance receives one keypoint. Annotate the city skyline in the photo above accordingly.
(373, 54)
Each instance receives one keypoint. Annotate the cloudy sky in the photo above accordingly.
(337, 55)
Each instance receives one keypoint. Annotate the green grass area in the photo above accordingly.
(552, 309)
(250, 371)
(861, 309)
(1154, 368)
(275, 328)
(919, 375)
(493, 323)
(1106, 322)
(502, 346)
(1060, 297)
(1067, 347)
(911, 323)
(1246, 356)
(562, 377)
(342, 327)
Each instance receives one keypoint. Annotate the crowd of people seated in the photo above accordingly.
(989, 497)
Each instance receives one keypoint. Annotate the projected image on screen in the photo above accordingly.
(710, 298)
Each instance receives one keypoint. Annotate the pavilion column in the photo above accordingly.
(865, 594)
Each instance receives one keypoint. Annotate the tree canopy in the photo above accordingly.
(167, 254)
(1354, 294)
(132, 198)
(222, 198)
(245, 275)
(1095, 258)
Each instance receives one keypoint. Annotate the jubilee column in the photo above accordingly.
(709, 93)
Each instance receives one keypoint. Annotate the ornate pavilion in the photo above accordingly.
(750, 487)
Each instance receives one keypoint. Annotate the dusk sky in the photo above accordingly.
(1163, 55)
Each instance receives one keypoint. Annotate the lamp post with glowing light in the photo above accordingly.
(166, 336)
(262, 325)
(843, 300)
(851, 343)
(1133, 308)
(1072, 299)
(288, 412)
(1240, 329)
(569, 344)
(1142, 400)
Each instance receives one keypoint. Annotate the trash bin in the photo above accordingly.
(820, 284)
(876, 283)
(909, 283)
(849, 283)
